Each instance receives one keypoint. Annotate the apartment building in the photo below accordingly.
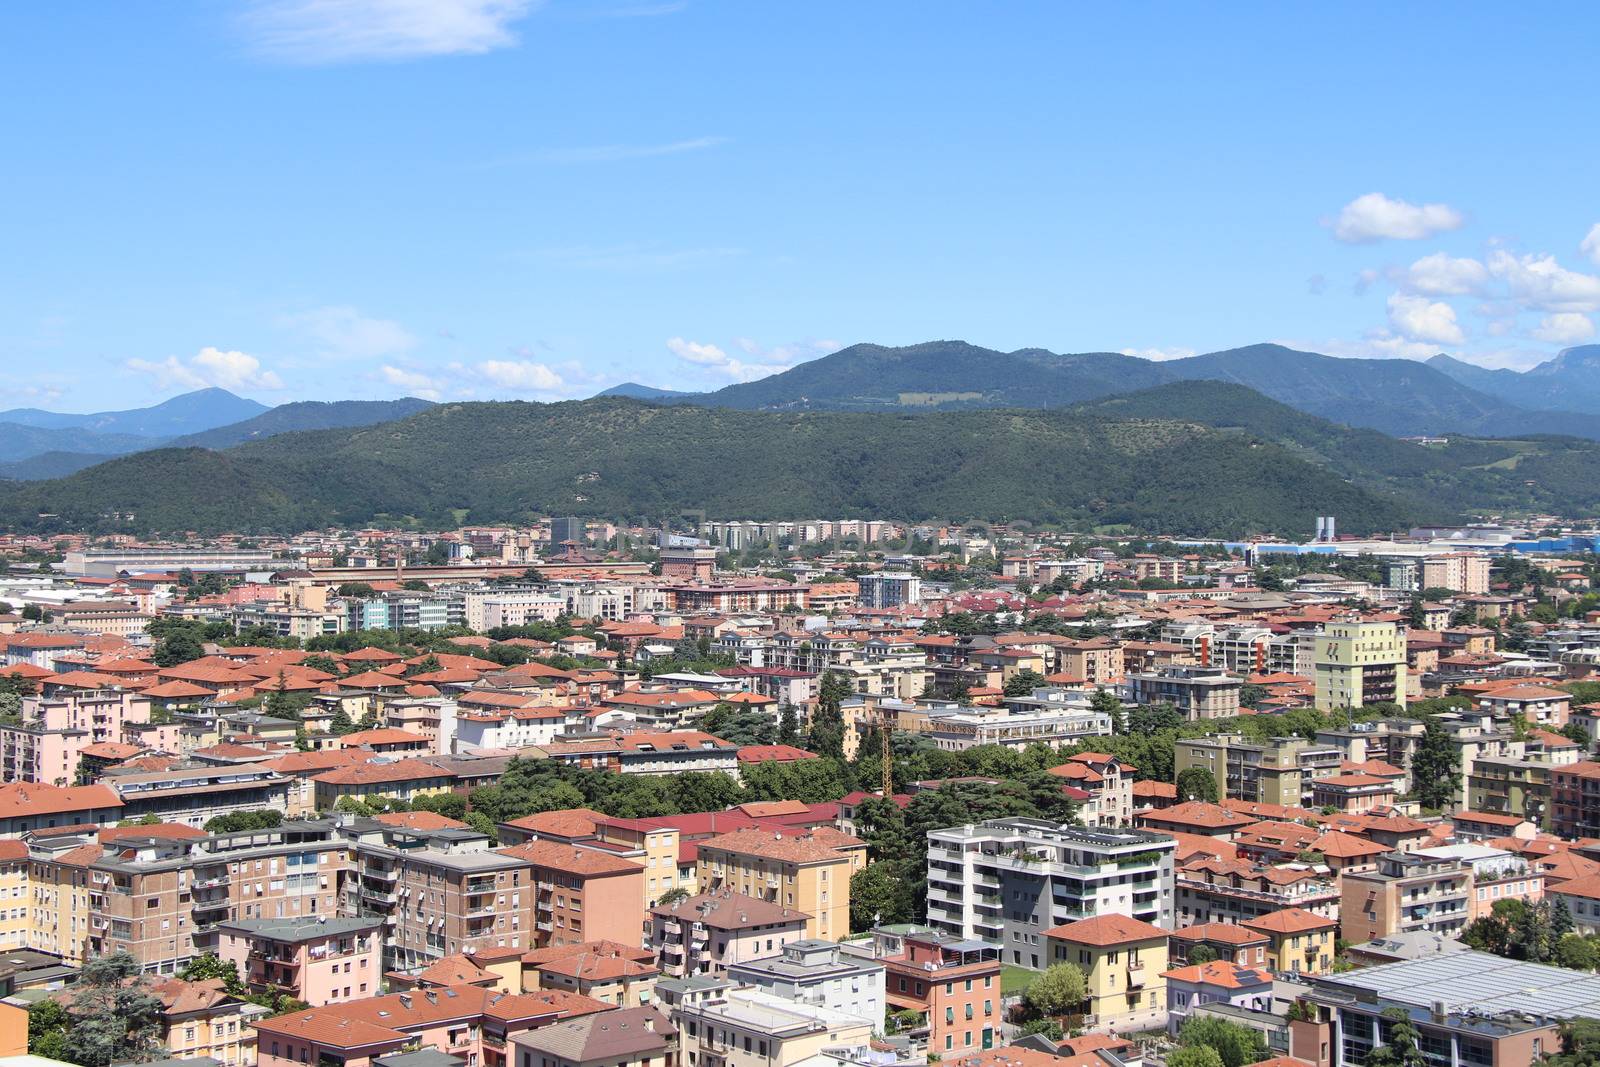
(1298, 941)
(47, 745)
(1410, 891)
(1122, 960)
(723, 1026)
(1575, 800)
(1015, 728)
(162, 900)
(1213, 890)
(1359, 663)
(1197, 692)
(581, 894)
(320, 960)
(1281, 770)
(1007, 881)
(441, 892)
(195, 795)
(708, 933)
(807, 871)
(819, 972)
(952, 983)
(888, 589)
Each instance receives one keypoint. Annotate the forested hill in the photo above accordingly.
(491, 462)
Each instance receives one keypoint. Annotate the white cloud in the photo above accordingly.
(344, 333)
(614, 152)
(1375, 217)
(1591, 244)
(1564, 328)
(1540, 282)
(413, 382)
(1159, 355)
(763, 362)
(338, 31)
(1419, 319)
(209, 367)
(1445, 275)
(521, 376)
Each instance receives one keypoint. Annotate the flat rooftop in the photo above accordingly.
(1472, 984)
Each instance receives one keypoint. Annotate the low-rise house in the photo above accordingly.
(317, 960)
(1230, 941)
(704, 934)
(818, 972)
(750, 1027)
(1122, 960)
(1217, 982)
(951, 983)
(626, 1037)
(1299, 942)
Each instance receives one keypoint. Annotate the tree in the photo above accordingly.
(1024, 682)
(1577, 952)
(1202, 954)
(672, 896)
(1400, 1045)
(1197, 783)
(47, 1029)
(877, 895)
(1194, 1056)
(827, 725)
(1105, 702)
(235, 821)
(1060, 989)
(114, 1016)
(210, 965)
(179, 646)
(1050, 1028)
(1435, 768)
(788, 725)
(1580, 1044)
(1236, 1045)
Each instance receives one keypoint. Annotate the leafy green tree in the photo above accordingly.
(1202, 954)
(209, 965)
(114, 1016)
(1577, 952)
(1580, 1044)
(1435, 767)
(179, 646)
(47, 1029)
(1024, 682)
(1236, 1045)
(1197, 783)
(236, 821)
(1400, 1045)
(827, 723)
(877, 895)
(1058, 990)
(1194, 1056)
(1105, 702)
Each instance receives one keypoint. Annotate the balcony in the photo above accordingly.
(1135, 975)
(210, 881)
(202, 907)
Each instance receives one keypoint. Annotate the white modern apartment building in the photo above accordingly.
(489, 607)
(1008, 881)
(815, 971)
(971, 727)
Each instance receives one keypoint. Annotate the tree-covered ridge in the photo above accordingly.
(490, 462)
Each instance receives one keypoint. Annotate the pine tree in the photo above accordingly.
(1435, 768)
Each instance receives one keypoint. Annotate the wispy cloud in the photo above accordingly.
(352, 31)
(762, 361)
(614, 152)
(343, 332)
(637, 11)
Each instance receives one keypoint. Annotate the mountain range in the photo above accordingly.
(37, 444)
(1200, 458)
(1396, 396)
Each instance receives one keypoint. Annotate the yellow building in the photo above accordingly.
(1122, 960)
(59, 897)
(1360, 663)
(1299, 942)
(16, 912)
(808, 872)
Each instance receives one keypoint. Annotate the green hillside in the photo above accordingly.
(617, 457)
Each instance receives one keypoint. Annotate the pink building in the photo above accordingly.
(319, 960)
(55, 730)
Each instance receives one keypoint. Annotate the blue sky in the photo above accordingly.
(303, 199)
